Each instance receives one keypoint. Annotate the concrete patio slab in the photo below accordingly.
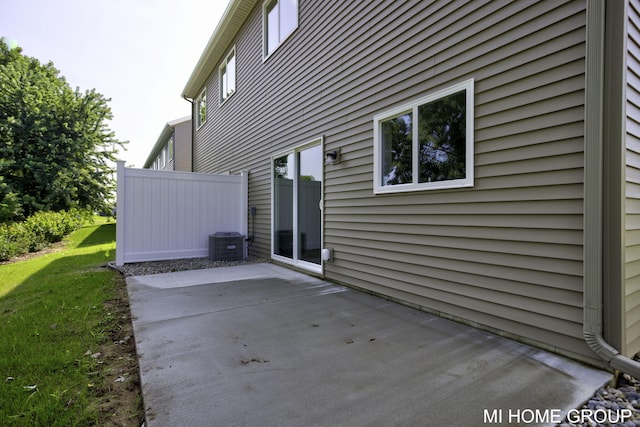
(262, 345)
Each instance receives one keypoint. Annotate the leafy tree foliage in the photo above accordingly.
(56, 150)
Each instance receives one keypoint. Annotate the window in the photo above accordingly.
(201, 109)
(280, 18)
(228, 76)
(170, 149)
(426, 145)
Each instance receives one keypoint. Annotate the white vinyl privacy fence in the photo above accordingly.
(165, 215)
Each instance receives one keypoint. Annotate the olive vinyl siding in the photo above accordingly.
(505, 254)
(632, 214)
(182, 145)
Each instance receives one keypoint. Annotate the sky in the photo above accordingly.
(138, 53)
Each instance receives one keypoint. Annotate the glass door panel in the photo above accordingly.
(309, 196)
(283, 175)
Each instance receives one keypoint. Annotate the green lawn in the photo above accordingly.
(52, 317)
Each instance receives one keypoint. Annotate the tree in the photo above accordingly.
(56, 149)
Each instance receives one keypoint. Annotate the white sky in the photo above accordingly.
(139, 53)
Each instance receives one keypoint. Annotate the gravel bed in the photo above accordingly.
(157, 267)
(607, 403)
(610, 406)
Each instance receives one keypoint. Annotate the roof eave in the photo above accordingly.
(167, 131)
(234, 16)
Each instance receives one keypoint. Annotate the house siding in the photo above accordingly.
(632, 193)
(182, 146)
(505, 254)
(181, 132)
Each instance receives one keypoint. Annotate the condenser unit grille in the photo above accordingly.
(226, 246)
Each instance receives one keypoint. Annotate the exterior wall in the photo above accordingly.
(505, 254)
(181, 158)
(155, 159)
(182, 146)
(632, 174)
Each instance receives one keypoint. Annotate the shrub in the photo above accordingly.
(38, 231)
(15, 239)
(38, 225)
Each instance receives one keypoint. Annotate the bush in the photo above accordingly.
(15, 239)
(37, 232)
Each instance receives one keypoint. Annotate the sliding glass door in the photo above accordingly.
(297, 206)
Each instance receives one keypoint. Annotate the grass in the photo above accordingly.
(52, 318)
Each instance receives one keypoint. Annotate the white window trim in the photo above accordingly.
(203, 94)
(378, 188)
(265, 52)
(224, 65)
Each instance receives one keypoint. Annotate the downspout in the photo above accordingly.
(593, 191)
(193, 134)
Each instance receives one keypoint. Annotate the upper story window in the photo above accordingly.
(427, 144)
(280, 18)
(228, 76)
(201, 109)
(170, 149)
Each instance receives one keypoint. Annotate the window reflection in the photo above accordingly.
(396, 150)
(309, 213)
(441, 135)
(283, 206)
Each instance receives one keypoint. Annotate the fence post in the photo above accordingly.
(120, 215)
